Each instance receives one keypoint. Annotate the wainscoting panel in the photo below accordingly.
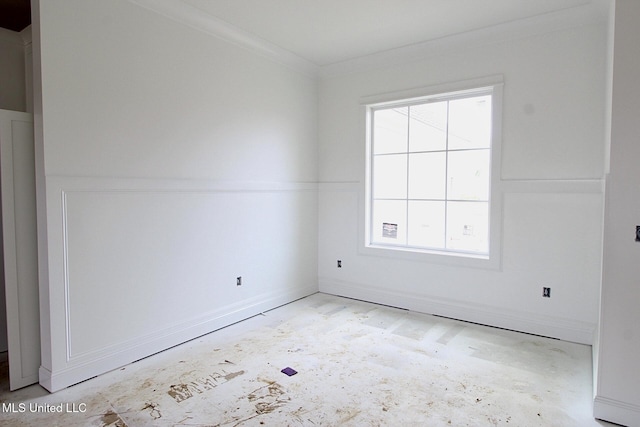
(551, 237)
(145, 265)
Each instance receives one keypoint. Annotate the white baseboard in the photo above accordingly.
(615, 411)
(109, 360)
(554, 327)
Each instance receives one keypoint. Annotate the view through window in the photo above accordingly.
(430, 173)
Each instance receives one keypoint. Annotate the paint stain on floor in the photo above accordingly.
(358, 364)
(111, 419)
(183, 391)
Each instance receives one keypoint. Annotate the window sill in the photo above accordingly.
(453, 259)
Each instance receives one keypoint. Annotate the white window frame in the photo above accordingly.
(494, 84)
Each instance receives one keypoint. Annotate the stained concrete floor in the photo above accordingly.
(358, 364)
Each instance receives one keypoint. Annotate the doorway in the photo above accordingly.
(20, 247)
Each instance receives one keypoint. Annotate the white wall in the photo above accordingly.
(28, 68)
(12, 70)
(617, 394)
(552, 170)
(12, 97)
(174, 162)
(4, 344)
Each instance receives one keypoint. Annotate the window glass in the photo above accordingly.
(468, 175)
(390, 130)
(427, 175)
(389, 223)
(468, 226)
(431, 173)
(390, 176)
(426, 224)
(428, 127)
(470, 122)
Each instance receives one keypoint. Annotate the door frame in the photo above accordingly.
(20, 246)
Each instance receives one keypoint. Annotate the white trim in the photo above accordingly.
(407, 95)
(11, 36)
(65, 271)
(572, 17)
(493, 84)
(87, 183)
(541, 186)
(202, 21)
(207, 322)
(26, 35)
(615, 411)
(23, 38)
(144, 186)
(585, 14)
(88, 365)
(554, 327)
(68, 367)
(18, 252)
(349, 186)
(575, 186)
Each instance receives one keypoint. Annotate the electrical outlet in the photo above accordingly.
(239, 281)
(546, 292)
(339, 263)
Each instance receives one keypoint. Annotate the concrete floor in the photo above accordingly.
(358, 364)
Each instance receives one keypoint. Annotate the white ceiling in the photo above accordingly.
(330, 31)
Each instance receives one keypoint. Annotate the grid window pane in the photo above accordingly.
(470, 122)
(468, 175)
(389, 222)
(431, 172)
(427, 174)
(428, 127)
(390, 130)
(426, 224)
(390, 176)
(468, 226)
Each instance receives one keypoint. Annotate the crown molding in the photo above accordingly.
(11, 36)
(26, 35)
(197, 19)
(573, 17)
(23, 38)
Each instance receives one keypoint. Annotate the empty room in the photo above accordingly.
(305, 213)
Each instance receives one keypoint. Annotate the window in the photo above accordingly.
(430, 174)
